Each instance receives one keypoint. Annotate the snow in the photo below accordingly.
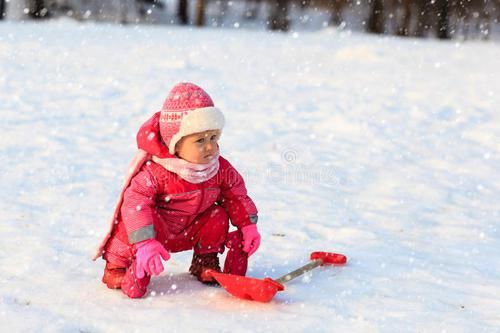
(384, 149)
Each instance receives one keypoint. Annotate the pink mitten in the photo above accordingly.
(251, 239)
(147, 258)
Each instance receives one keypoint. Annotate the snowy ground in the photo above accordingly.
(384, 149)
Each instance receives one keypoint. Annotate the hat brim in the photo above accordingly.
(196, 121)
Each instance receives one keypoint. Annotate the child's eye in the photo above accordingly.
(214, 138)
(202, 140)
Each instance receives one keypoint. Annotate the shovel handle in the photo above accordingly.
(329, 258)
(317, 259)
(299, 271)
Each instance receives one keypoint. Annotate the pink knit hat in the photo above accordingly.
(188, 109)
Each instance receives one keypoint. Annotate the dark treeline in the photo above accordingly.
(2, 9)
(419, 18)
(440, 18)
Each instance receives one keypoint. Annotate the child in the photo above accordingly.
(179, 195)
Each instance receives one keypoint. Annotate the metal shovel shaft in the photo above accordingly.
(299, 271)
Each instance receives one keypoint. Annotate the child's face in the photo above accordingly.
(199, 148)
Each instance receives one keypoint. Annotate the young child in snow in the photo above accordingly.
(179, 195)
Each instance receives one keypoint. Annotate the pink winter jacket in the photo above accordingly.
(155, 200)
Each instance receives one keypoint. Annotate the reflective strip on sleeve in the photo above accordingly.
(141, 234)
(253, 219)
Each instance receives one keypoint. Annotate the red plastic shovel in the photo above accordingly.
(263, 290)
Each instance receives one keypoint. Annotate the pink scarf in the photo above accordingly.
(191, 172)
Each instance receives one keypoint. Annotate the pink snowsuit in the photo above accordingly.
(157, 203)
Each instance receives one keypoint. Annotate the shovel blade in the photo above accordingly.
(261, 290)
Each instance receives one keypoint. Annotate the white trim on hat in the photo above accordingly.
(195, 121)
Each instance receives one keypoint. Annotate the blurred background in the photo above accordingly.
(444, 19)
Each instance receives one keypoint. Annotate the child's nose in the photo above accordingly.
(212, 146)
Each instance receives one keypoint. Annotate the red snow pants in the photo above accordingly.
(207, 234)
